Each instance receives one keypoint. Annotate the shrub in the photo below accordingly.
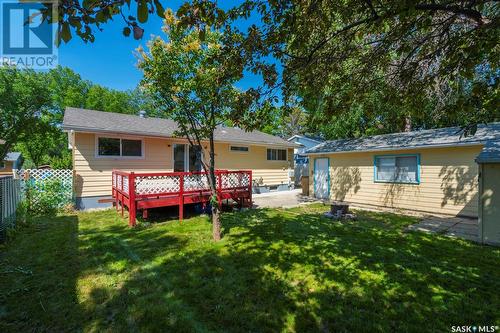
(45, 196)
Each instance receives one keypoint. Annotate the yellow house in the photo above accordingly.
(428, 171)
(11, 162)
(103, 141)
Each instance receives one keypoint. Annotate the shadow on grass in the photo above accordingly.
(275, 270)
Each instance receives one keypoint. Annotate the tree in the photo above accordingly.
(34, 104)
(23, 96)
(339, 52)
(67, 88)
(420, 48)
(192, 77)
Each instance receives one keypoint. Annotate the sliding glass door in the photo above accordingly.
(187, 158)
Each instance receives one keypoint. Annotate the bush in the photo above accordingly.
(45, 196)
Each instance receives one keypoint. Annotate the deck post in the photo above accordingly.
(181, 197)
(113, 186)
(132, 204)
(121, 195)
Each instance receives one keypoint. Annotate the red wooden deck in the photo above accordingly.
(141, 191)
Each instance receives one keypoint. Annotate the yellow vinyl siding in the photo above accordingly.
(448, 181)
(271, 172)
(93, 174)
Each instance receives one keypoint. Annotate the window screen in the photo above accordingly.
(109, 147)
(397, 169)
(131, 147)
(238, 148)
(276, 154)
(119, 147)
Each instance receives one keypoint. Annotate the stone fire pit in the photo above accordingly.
(340, 211)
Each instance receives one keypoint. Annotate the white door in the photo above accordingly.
(321, 178)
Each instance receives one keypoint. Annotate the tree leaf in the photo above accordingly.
(142, 11)
(126, 31)
(202, 35)
(138, 32)
(100, 16)
(160, 11)
(65, 32)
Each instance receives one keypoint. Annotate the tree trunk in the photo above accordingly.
(216, 226)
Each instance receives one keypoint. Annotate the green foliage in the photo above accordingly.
(38, 132)
(42, 142)
(191, 77)
(436, 64)
(23, 94)
(82, 17)
(349, 56)
(62, 161)
(47, 196)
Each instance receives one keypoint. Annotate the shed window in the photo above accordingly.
(239, 148)
(276, 154)
(116, 147)
(397, 169)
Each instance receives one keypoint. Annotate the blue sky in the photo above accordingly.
(110, 60)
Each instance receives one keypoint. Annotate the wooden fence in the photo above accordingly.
(11, 194)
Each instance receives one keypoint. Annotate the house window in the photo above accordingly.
(239, 148)
(397, 169)
(116, 147)
(276, 154)
(131, 147)
(2, 165)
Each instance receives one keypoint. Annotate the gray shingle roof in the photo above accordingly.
(490, 153)
(449, 136)
(83, 120)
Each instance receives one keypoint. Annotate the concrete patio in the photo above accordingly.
(466, 228)
(281, 199)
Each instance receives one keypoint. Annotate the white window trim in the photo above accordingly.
(239, 151)
(96, 151)
(286, 151)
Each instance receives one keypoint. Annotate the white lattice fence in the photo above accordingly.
(232, 180)
(47, 182)
(156, 184)
(197, 182)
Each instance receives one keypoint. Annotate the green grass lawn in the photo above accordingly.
(275, 270)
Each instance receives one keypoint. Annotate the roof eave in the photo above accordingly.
(492, 160)
(466, 144)
(68, 128)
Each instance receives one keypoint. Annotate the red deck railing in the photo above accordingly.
(140, 191)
